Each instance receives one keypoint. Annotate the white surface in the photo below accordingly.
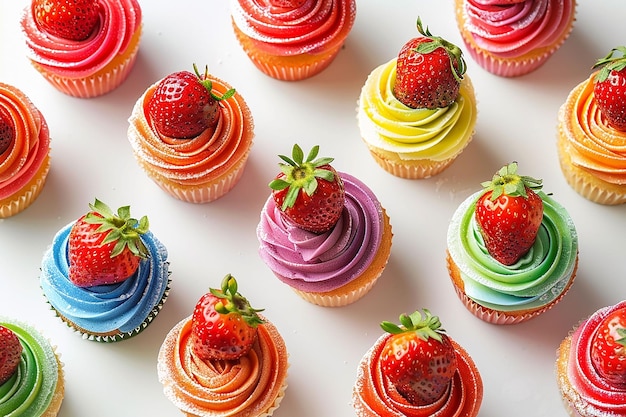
(91, 158)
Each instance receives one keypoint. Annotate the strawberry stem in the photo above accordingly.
(424, 325)
(121, 228)
(610, 63)
(208, 84)
(457, 63)
(234, 302)
(507, 182)
(300, 173)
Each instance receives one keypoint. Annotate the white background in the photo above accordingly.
(91, 158)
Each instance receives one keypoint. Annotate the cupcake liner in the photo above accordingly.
(115, 335)
(100, 83)
(202, 193)
(501, 317)
(19, 202)
(514, 67)
(412, 169)
(337, 300)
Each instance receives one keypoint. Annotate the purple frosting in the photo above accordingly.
(314, 262)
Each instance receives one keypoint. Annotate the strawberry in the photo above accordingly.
(309, 192)
(223, 324)
(418, 358)
(608, 348)
(509, 214)
(104, 247)
(7, 132)
(183, 105)
(68, 19)
(10, 353)
(609, 88)
(429, 71)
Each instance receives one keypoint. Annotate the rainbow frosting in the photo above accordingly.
(539, 278)
(314, 26)
(323, 262)
(374, 396)
(395, 131)
(511, 29)
(25, 164)
(583, 389)
(120, 23)
(252, 385)
(106, 312)
(38, 385)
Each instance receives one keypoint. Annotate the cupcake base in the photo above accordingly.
(494, 316)
(561, 376)
(584, 182)
(199, 193)
(415, 169)
(357, 288)
(103, 81)
(18, 202)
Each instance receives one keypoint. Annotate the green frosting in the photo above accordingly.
(29, 391)
(537, 279)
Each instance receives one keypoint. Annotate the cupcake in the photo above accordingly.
(84, 48)
(510, 38)
(592, 133)
(225, 359)
(415, 125)
(512, 250)
(24, 151)
(31, 372)
(591, 365)
(417, 370)
(191, 134)
(323, 233)
(292, 40)
(106, 275)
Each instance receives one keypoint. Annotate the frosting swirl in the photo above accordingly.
(29, 150)
(536, 280)
(389, 126)
(513, 29)
(106, 309)
(120, 21)
(249, 386)
(593, 145)
(374, 396)
(31, 389)
(315, 25)
(198, 160)
(313, 262)
(585, 389)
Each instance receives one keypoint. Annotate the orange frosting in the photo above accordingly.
(594, 146)
(29, 150)
(247, 387)
(374, 396)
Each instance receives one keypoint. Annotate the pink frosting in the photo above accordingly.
(323, 262)
(119, 20)
(592, 391)
(20, 163)
(510, 29)
(317, 24)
